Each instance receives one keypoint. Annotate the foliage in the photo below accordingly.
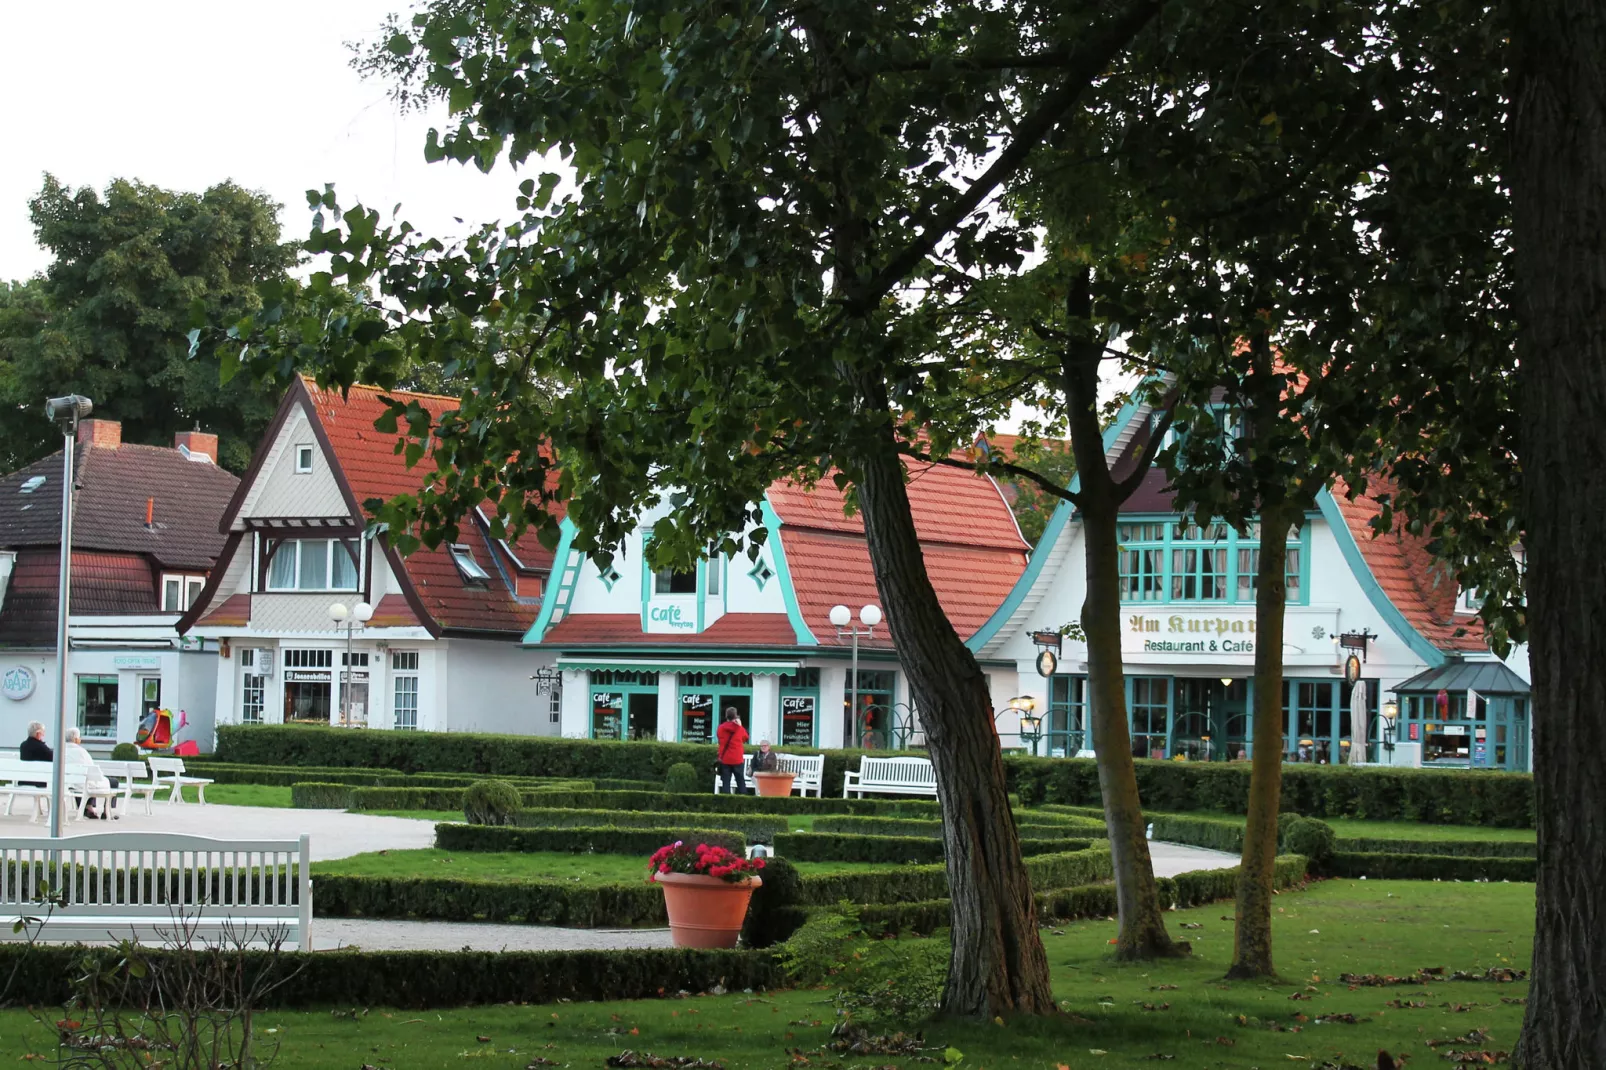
(594, 839)
(1036, 823)
(873, 981)
(776, 910)
(1426, 867)
(1028, 500)
(284, 776)
(1437, 796)
(1312, 838)
(902, 883)
(342, 895)
(703, 860)
(755, 828)
(1285, 818)
(490, 802)
(851, 847)
(341, 794)
(682, 779)
(126, 752)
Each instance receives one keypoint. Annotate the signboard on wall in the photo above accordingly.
(697, 718)
(18, 683)
(1209, 635)
(797, 720)
(136, 661)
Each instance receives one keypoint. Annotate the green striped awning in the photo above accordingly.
(677, 665)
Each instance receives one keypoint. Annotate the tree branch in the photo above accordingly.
(994, 466)
(1128, 486)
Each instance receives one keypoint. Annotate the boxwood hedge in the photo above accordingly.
(1426, 867)
(1227, 834)
(40, 975)
(813, 847)
(757, 828)
(1439, 796)
(324, 796)
(1032, 824)
(609, 839)
(285, 776)
(577, 906)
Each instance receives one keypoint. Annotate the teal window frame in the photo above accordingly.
(805, 683)
(626, 684)
(1167, 560)
(1140, 695)
(1067, 715)
(715, 685)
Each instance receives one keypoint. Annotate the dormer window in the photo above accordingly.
(303, 459)
(467, 567)
(179, 592)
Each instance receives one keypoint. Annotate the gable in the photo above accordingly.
(278, 489)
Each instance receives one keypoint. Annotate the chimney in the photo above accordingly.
(107, 434)
(197, 445)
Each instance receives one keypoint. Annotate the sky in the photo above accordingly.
(187, 93)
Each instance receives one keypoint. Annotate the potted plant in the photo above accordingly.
(706, 890)
(774, 784)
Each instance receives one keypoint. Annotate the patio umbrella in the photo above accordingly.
(1357, 723)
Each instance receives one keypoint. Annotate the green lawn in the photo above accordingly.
(1416, 830)
(1381, 927)
(237, 795)
(589, 869)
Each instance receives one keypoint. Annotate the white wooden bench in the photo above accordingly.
(34, 781)
(152, 886)
(134, 781)
(809, 770)
(891, 776)
(172, 769)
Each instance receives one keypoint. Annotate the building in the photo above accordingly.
(441, 651)
(1188, 637)
(658, 655)
(145, 540)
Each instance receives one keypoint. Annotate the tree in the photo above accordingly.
(132, 271)
(1558, 177)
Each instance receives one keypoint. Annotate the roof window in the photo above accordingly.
(467, 567)
(33, 483)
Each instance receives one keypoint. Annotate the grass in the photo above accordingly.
(1384, 927)
(1416, 830)
(588, 869)
(236, 795)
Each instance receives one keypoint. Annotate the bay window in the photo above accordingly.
(1179, 561)
(313, 565)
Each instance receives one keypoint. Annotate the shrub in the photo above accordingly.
(491, 802)
(618, 906)
(878, 984)
(319, 796)
(126, 752)
(1311, 838)
(1425, 867)
(1033, 824)
(1285, 819)
(1218, 834)
(600, 839)
(813, 847)
(757, 828)
(1453, 848)
(913, 883)
(775, 913)
(682, 779)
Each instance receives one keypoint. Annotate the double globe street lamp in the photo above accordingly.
(351, 618)
(842, 618)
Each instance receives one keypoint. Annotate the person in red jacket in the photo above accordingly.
(732, 736)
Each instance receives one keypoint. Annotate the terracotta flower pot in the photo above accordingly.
(774, 785)
(705, 911)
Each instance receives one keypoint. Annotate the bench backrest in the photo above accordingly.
(913, 771)
(14, 771)
(134, 770)
(154, 875)
(809, 767)
(166, 765)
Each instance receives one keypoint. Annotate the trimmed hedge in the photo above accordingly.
(286, 776)
(1218, 834)
(914, 883)
(453, 899)
(499, 755)
(326, 796)
(1436, 796)
(415, 980)
(708, 802)
(1036, 825)
(1426, 867)
(813, 847)
(600, 839)
(1441, 848)
(757, 828)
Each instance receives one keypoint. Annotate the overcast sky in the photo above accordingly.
(187, 93)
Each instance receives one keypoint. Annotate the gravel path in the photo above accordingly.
(1173, 858)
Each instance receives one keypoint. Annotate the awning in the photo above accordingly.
(1484, 677)
(677, 665)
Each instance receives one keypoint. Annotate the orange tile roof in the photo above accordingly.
(234, 612)
(1420, 587)
(394, 612)
(733, 629)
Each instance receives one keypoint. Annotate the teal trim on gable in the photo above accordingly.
(560, 561)
(1052, 532)
(1432, 655)
(772, 523)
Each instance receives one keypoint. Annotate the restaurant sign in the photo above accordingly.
(1190, 633)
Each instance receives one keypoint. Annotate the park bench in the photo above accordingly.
(133, 776)
(170, 771)
(809, 770)
(891, 776)
(34, 781)
(152, 886)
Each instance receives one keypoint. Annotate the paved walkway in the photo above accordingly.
(1173, 858)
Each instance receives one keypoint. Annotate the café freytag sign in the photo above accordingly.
(18, 683)
(1190, 633)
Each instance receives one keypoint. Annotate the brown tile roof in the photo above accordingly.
(394, 612)
(103, 584)
(233, 612)
(115, 486)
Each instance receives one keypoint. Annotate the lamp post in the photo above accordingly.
(1030, 729)
(64, 412)
(1391, 714)
(842, 618)
(353, 618)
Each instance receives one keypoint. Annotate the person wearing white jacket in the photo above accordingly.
(74, 754)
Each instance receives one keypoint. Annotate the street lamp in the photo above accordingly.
(842, 619)
(1030, 729)
(65, 413)
(353, 618)
(1391, 714)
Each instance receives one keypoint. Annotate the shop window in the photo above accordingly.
(404, 685)
(875, 722)
(467, 567)
(800, 708)
(1151, 713)
(253, 688)
(624, 705)
(313, 565)
(97, 706)
(179, 592)
(704, 698)
(308, 685)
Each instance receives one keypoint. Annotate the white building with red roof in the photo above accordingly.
(657, 655)
(442, 648)
(1188, 637)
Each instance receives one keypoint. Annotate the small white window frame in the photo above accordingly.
(304, 456)
(332, 545)
(471, 570)
(189, 588)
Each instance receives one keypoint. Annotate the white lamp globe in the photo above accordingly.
(337, 611)
(840, 615)
(870, 615)
(363, 612)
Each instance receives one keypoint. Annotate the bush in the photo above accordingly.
(1425, 867)
(1437, 796)
(1285, 819)
(775, 912)
(1032, 824)
(594, 839)
(813, 847)
(285, 776)
(320, 796)
(1218, 834)
(907, 883)
(619, 906)
(473, 752)
(682, 779)
(126, 752)
(1311, 838)
(1452, 848)
(42, 975)
(738, 804)
(757, 828)
(491, 802)
(878, 984)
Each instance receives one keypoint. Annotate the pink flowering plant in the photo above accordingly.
(681, 857)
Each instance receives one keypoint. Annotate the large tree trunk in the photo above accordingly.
(1558, 182)
(1251, 955)
(997, 964)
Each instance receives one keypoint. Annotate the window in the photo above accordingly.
(1151, 714)
(303, 459)
(555, 705)
(404, 666)
(1471, 601)
(1178, 561)
(669, 581)
(97, 706)
(313, 565)
(253, 688)
(180, 592)
(467, 567)
(715, 566)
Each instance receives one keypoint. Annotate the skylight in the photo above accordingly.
(33, 483)
(466, 565)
